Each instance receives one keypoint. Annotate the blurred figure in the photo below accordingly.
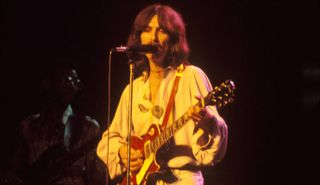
(58, 146)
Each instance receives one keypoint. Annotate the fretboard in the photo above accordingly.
(168, 132)
(220, 96)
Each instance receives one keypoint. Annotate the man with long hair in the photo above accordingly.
(202, 141)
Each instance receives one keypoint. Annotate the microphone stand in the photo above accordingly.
(130, 125)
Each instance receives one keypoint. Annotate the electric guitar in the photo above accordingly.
(150, 143)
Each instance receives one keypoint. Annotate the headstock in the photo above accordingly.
(221, 95)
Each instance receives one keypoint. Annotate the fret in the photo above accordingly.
(156, 142)
(185, 118)
(174, 126)
(147, 150)
(152, 148)
(161, 140)
(166, 135)
(179, 123)
(171, 130)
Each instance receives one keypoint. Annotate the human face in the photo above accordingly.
(153, 34)
(66, 84)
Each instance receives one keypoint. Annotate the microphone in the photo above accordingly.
(137, 49)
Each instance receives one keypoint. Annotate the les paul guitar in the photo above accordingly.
(150, 143)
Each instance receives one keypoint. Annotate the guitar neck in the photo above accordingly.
(169, 131)
(220, 96)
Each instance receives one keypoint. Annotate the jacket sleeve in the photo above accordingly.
(115, 137)
(212, 126)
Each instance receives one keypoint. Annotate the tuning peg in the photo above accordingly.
(217, 89)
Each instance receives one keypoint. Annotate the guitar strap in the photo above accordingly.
(172, 96)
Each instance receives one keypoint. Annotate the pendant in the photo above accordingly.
(157, 111)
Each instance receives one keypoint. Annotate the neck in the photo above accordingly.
(155, 67)
(156, 70)
(156, 73)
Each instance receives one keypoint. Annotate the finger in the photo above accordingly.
(124, 162)
(196, 116)
(134, 169)
(136, 153)
(135, 157)
(203, 112)
(198, 97)
(133, 163)
(136, 163)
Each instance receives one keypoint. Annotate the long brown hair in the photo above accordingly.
(171, 21)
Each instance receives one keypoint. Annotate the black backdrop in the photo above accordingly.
(263, 46)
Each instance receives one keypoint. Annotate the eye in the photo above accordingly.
(75, 80)
(69, 79)
(161, 30)
(146, 29)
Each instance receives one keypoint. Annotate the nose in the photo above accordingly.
(154, 36)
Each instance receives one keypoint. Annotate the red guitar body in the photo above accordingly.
(149, 165)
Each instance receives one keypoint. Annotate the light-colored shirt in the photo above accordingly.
(193, 83)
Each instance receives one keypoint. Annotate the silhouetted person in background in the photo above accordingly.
(58, 146)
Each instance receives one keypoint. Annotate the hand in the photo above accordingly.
(136, 158)
(206, 124)
(197, 113)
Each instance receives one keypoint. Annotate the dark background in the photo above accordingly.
(269, 48)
